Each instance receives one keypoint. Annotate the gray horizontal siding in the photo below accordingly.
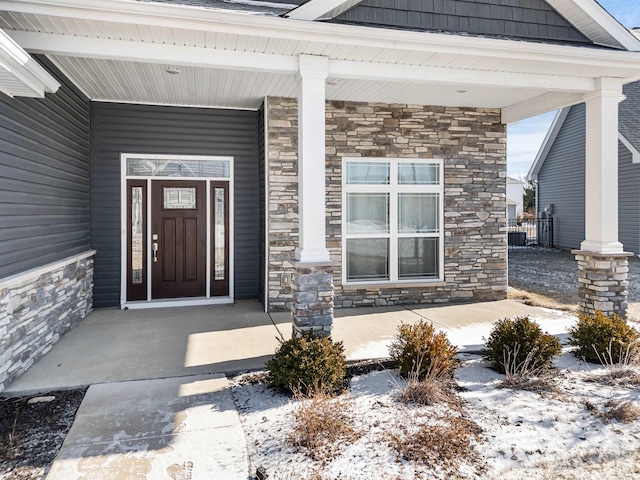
(628, 201)
(44, 177)
(526, 19)
(561, 180)
(120, 128)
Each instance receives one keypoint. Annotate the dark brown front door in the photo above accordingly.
(178, 239)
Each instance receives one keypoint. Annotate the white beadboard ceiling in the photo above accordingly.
(118, 81)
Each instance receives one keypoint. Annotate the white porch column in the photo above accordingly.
(601, 194)
(311, 159)
(602, 263)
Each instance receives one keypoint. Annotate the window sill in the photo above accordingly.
(361, 286)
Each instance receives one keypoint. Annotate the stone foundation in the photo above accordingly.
(602, 282)
(38, 307)
(312, 308)
(472, 145)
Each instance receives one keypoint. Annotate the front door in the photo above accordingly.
(178, 239)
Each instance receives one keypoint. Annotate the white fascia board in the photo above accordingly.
(538, 105)
(321, 9)
(122, 50)
(453, 76)
(620, 36)
(551, 136)
(635, 155)
(25, 69)
(171, 16)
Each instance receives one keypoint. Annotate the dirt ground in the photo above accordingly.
(549, 278)
(32, 430)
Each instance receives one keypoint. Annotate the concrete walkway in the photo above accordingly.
(177, 428)
(159, 405)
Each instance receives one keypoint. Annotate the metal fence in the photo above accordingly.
(530, 233)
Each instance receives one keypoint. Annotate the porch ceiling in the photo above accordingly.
(230, 60)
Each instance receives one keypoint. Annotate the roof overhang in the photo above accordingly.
(21, 75)
(321, 9)
(596, 23)
(119, 50)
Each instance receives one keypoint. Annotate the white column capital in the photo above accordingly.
(313, 67)
(606, 87)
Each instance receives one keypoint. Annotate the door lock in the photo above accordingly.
(155, 252)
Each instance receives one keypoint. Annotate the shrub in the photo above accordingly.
(419, 351)
(321, 425)
(600, 337)
(308, 364)
(512, 342)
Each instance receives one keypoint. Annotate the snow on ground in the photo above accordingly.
(527, 434)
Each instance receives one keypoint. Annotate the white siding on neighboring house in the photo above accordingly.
(515, 198)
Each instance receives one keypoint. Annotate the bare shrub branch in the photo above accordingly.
(320, 424)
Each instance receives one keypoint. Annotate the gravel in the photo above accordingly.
(554, 274)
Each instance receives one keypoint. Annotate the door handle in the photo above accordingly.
(155, 252)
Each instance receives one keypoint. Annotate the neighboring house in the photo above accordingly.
(319, 154)
(515, 199)
(559, 173)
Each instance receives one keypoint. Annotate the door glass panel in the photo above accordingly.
(137, 233)
(367, 213)
(418, 174)
(179, 198)
(219, 234)
(418, 213)
(368, 259)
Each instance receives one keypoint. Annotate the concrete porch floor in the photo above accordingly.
(113, 345)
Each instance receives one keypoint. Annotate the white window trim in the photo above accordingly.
(393, 189)
(149, 302)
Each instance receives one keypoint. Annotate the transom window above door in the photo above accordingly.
(176, 166)
(392, 220)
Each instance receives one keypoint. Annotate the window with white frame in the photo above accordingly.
(392, 220)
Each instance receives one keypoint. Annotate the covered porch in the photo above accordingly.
(113, 345)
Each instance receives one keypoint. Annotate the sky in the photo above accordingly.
(525, 137)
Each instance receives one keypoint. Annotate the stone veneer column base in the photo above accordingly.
(312, 308)
(602, 282)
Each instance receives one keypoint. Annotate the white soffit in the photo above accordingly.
(321, 9)
(21, 75)
(596, 23)
(149, 83)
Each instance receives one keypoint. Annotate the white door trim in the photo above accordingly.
(207, 299)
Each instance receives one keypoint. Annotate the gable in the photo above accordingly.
(532, 20)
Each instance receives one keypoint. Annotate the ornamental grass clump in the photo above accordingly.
(604, 338)
(519, 347)
(420, 351)
(308, 364)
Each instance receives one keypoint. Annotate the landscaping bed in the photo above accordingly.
(32, 429)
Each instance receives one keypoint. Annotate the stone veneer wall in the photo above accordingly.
(472, 144)
(37, 308)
